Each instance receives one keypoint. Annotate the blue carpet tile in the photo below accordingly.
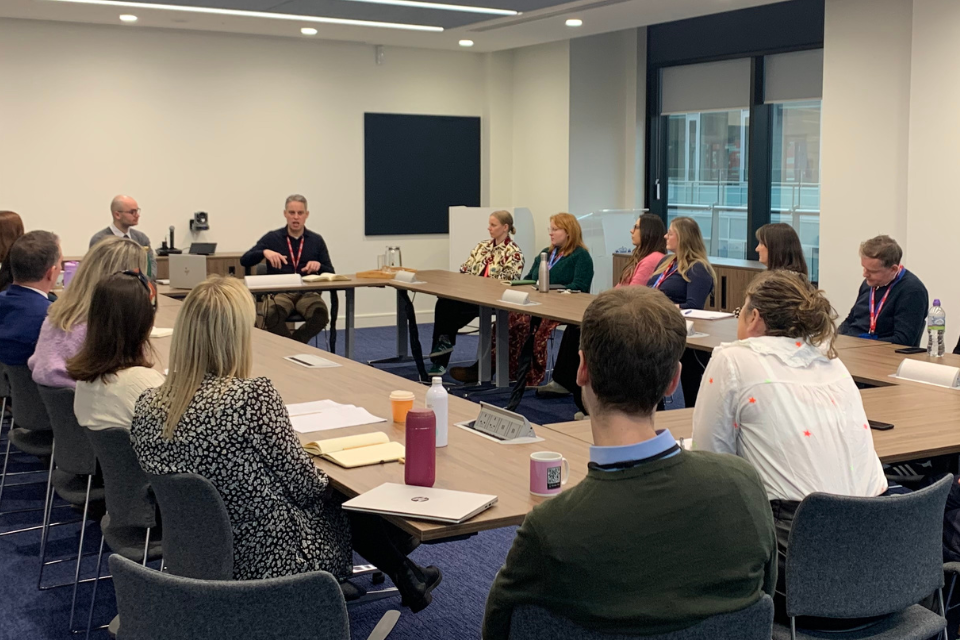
(469, 566)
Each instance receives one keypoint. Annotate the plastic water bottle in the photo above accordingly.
(543, 283)
(936, 325)
(437, 400)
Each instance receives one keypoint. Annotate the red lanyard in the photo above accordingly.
(666, 274)
(296, 261)
(876, 314)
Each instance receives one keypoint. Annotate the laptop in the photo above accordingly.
(187, 271)
(421, 503)
(203, 248)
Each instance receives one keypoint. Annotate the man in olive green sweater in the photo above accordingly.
(656, 538)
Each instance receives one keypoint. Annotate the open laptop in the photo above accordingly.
(187, 271)
(421, 503)
(203, 248)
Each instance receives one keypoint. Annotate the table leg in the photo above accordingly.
(401, 328)
(483, 349)
(351, 314)
(503, 348)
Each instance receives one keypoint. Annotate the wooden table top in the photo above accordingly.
(469, 462)
(924, 419)
(352, 283)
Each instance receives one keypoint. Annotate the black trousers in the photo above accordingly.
(449, 316)
(379, 542)
(568, 361)
(694, 362)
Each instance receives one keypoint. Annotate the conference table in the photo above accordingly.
(470, 462)
(924, 415)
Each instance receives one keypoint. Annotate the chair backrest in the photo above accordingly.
(4, 383)
(126, 488)
(859, 557)
(530, 622)
(29, 411)
(197, 536)
(157, 606)
(73, 453)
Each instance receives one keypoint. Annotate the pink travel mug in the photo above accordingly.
(548, 472)
(420, 464)
(69, 269)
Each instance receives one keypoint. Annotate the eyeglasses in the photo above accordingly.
(145, 281)
(636, 227)
(135, 212)
(736, 312)
(552, 229)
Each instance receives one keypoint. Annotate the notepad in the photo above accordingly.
(324, 277)
(357, 451)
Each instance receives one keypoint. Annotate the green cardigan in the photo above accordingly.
(574, 271)
(646, 550)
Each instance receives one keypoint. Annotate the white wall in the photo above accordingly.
(541, 130)
(603, 135)
(865, 126)
(188, 121)
(933, 224)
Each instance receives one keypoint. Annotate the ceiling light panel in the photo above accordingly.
(443, 7)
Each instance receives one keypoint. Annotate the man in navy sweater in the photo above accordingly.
(35, 264)
(293, 249)
(892, 303)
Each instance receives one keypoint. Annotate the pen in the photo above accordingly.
(687, 312)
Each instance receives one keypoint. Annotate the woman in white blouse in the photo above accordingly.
(779, 398)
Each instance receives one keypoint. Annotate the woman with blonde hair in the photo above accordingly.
(685, 276)
(781, 399)
(212, 418)
(570, 266)
(11, 228)
(65, 327)
(499, 257)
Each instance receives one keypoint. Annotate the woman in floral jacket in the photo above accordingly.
(501, 258)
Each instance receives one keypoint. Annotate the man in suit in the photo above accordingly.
(293, 249)
(656, 538)
(35, 262)
(126, 215)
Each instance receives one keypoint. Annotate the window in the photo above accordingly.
(707, 165)
(795, 174)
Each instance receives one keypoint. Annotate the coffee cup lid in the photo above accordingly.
(402, 395)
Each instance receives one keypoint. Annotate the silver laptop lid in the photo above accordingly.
(423, 503)
(187, 271)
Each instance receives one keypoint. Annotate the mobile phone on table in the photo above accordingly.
(911, 350)
(879, 426)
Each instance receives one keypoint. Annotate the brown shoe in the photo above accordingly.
(466, 375)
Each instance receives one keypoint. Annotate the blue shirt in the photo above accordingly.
(638, 451)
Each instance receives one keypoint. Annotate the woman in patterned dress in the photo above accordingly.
(210, 417)
(499, 257)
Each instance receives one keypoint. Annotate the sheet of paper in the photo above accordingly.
(323, 415)
(311, 361)
(700, 314)
(160, 332)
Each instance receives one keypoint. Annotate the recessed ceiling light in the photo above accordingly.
(255, 14)
(128, 18)
(308, 31)
(443, 7)
(466, 43)
(574, 22)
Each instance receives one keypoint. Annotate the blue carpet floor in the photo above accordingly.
(469, 566)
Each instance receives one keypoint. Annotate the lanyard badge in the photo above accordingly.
(666, 274)
(296, 260)
(876, 309)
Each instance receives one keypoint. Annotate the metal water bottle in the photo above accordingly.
(543, 282)
(420, 463)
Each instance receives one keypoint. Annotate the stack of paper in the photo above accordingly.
(323, 415)
(700, 314)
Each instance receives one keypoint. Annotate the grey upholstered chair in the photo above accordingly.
(73, 476)
(128, 526)
(158, 606)
(530, 622)
(865, 557)
(29, 432)
(198, 538)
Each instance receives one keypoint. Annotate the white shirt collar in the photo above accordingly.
(117, 232)
(32, 289)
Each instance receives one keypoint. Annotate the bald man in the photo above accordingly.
(126, 215)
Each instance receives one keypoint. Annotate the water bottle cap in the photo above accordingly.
(437, 381)
(936, 302)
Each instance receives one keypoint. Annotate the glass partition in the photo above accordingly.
(606, 232)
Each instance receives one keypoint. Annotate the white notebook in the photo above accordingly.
(421, 503)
